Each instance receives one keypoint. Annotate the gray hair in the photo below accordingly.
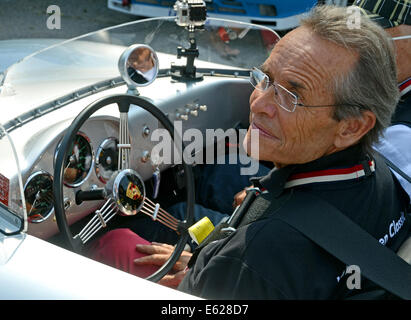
(372, 82)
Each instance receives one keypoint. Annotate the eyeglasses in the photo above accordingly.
(282, 96)
(402, 37)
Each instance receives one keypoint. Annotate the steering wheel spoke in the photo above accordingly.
(124, 145)
(98, 221)
(156, 213)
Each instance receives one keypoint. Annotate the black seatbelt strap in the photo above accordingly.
(225, 227)
(238, 215)
(330, 229)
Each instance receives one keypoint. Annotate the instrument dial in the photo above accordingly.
(38, 192)
(107, 159)
(78, 162)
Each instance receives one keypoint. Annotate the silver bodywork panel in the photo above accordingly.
(33, 269)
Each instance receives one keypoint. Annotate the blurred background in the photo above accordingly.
(21, 19)
(29, 19)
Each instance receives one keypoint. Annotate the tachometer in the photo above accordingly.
(38, 192)
(107, 159)
(78, 162)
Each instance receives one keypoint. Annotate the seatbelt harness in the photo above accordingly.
(229, 225)
(376, 262)
(225, 227)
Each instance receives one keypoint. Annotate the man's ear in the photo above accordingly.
(351, 130)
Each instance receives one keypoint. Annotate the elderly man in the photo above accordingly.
(321, 100)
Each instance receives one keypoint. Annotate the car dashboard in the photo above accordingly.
(215, 102)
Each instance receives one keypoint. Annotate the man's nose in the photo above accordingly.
(263, 102)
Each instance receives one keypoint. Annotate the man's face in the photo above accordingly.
(141, 60)
(304, 64)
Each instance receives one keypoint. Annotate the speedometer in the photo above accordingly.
(78, 162)
(107, 159)
(38, 192)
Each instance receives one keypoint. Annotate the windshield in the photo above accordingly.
(83, 61)
(13, 216)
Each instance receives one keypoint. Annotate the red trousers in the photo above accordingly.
(117, 248)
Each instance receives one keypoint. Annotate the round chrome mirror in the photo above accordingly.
(138, 65)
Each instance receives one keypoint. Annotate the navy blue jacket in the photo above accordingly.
(267, 259)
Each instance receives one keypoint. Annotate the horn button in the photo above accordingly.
(129, 192)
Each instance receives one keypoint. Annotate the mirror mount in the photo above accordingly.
(192, 15)
(187, 72)
(132, 90)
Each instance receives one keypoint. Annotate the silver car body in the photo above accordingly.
(43, 92)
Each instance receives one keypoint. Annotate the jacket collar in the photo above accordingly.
(405, 87)
(352, 160)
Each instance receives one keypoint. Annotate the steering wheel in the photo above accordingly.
(119, 200)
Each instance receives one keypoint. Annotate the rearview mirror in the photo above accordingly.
(138, 65)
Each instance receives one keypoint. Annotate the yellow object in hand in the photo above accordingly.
(201, 229)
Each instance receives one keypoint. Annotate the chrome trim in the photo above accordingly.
(59, 103)
(100, 87)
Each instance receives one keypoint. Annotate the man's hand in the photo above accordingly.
(158, 254)
(240, 196)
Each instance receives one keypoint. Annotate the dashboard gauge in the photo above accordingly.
(107, 159)
(78, 162)
(38, 192)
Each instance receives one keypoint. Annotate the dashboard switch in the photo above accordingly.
(180, 116)
(146, 131)
(202, 107)
(145, 156)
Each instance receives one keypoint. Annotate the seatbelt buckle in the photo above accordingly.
(257, 190)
